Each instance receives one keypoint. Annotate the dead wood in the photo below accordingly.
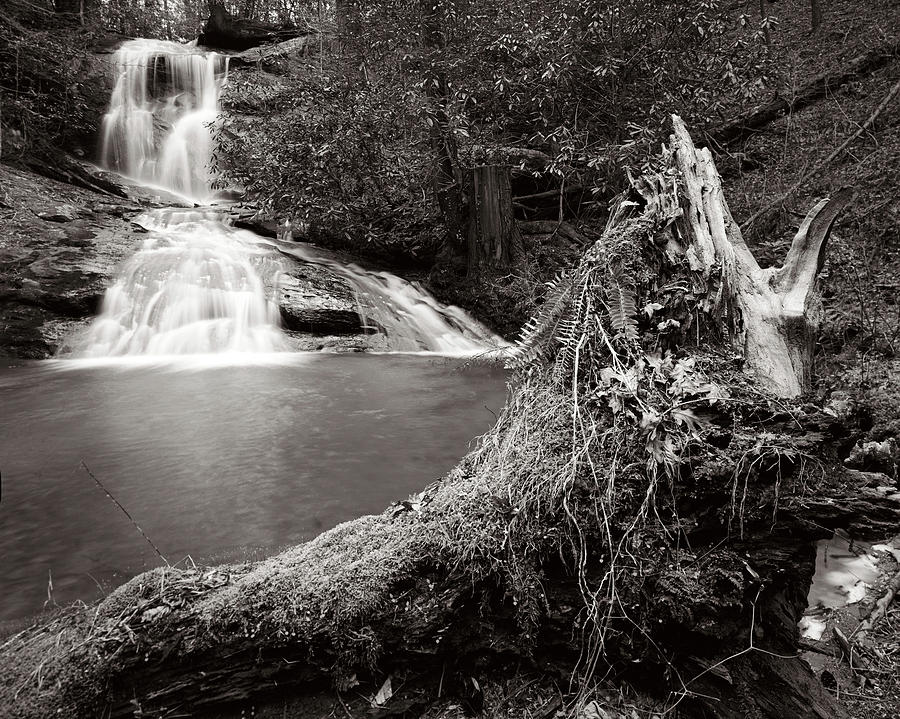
(773, 314)
(892, 93)
(829, 82)
(227, 32)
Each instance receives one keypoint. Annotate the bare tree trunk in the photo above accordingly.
(773, 314)
(73, 8)
(816, 7)
(763, 16)
(446, 173)
(493, 239)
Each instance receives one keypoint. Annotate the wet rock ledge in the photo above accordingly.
(60, 247)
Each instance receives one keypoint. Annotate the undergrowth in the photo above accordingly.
(50, 95)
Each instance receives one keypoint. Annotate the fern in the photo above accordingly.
(622, 311)
(574, 314)
(538, 334)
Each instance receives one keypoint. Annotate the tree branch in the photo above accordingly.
(818, 168)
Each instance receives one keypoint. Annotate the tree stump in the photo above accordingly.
(494, 239)
(772, 314)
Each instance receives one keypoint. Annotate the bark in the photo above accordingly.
(773, 314)
(828, 82)
(816, 12)
(494, 240)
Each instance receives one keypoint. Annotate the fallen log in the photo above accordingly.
(828, 82)
(225, 32)
(550, 193)
(267, 55)
(553, 228)
(527, 157)
(807, 176)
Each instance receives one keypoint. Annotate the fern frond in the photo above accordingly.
(622, 310)
(536, 339)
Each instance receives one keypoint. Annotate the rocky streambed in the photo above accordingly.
(60, 247)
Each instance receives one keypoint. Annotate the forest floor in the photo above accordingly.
(859, 281)
(861, 331)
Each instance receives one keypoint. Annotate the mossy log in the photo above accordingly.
(626, 531)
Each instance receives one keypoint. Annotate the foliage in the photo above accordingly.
(183, 19)
(588, 80)
(48, 94)
(339, 160)
(353, 143)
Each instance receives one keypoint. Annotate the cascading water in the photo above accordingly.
(411, 318)
(157, 128)
(193, 288)
(198, 286)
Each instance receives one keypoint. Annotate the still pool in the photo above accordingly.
(216, 462)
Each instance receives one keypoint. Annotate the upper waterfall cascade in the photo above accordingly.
(198, 285)
(156, 130)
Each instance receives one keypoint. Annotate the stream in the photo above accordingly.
(182, 410)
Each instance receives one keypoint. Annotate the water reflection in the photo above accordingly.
(212, 461)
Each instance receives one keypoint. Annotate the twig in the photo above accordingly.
(550, 193)
(856, 661)
(125, 511)
(818, 168)
(878, 611)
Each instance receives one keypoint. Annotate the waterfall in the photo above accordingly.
(197, 285)
(405, 312)
(156, 130)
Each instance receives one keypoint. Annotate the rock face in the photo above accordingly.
(58, 248)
